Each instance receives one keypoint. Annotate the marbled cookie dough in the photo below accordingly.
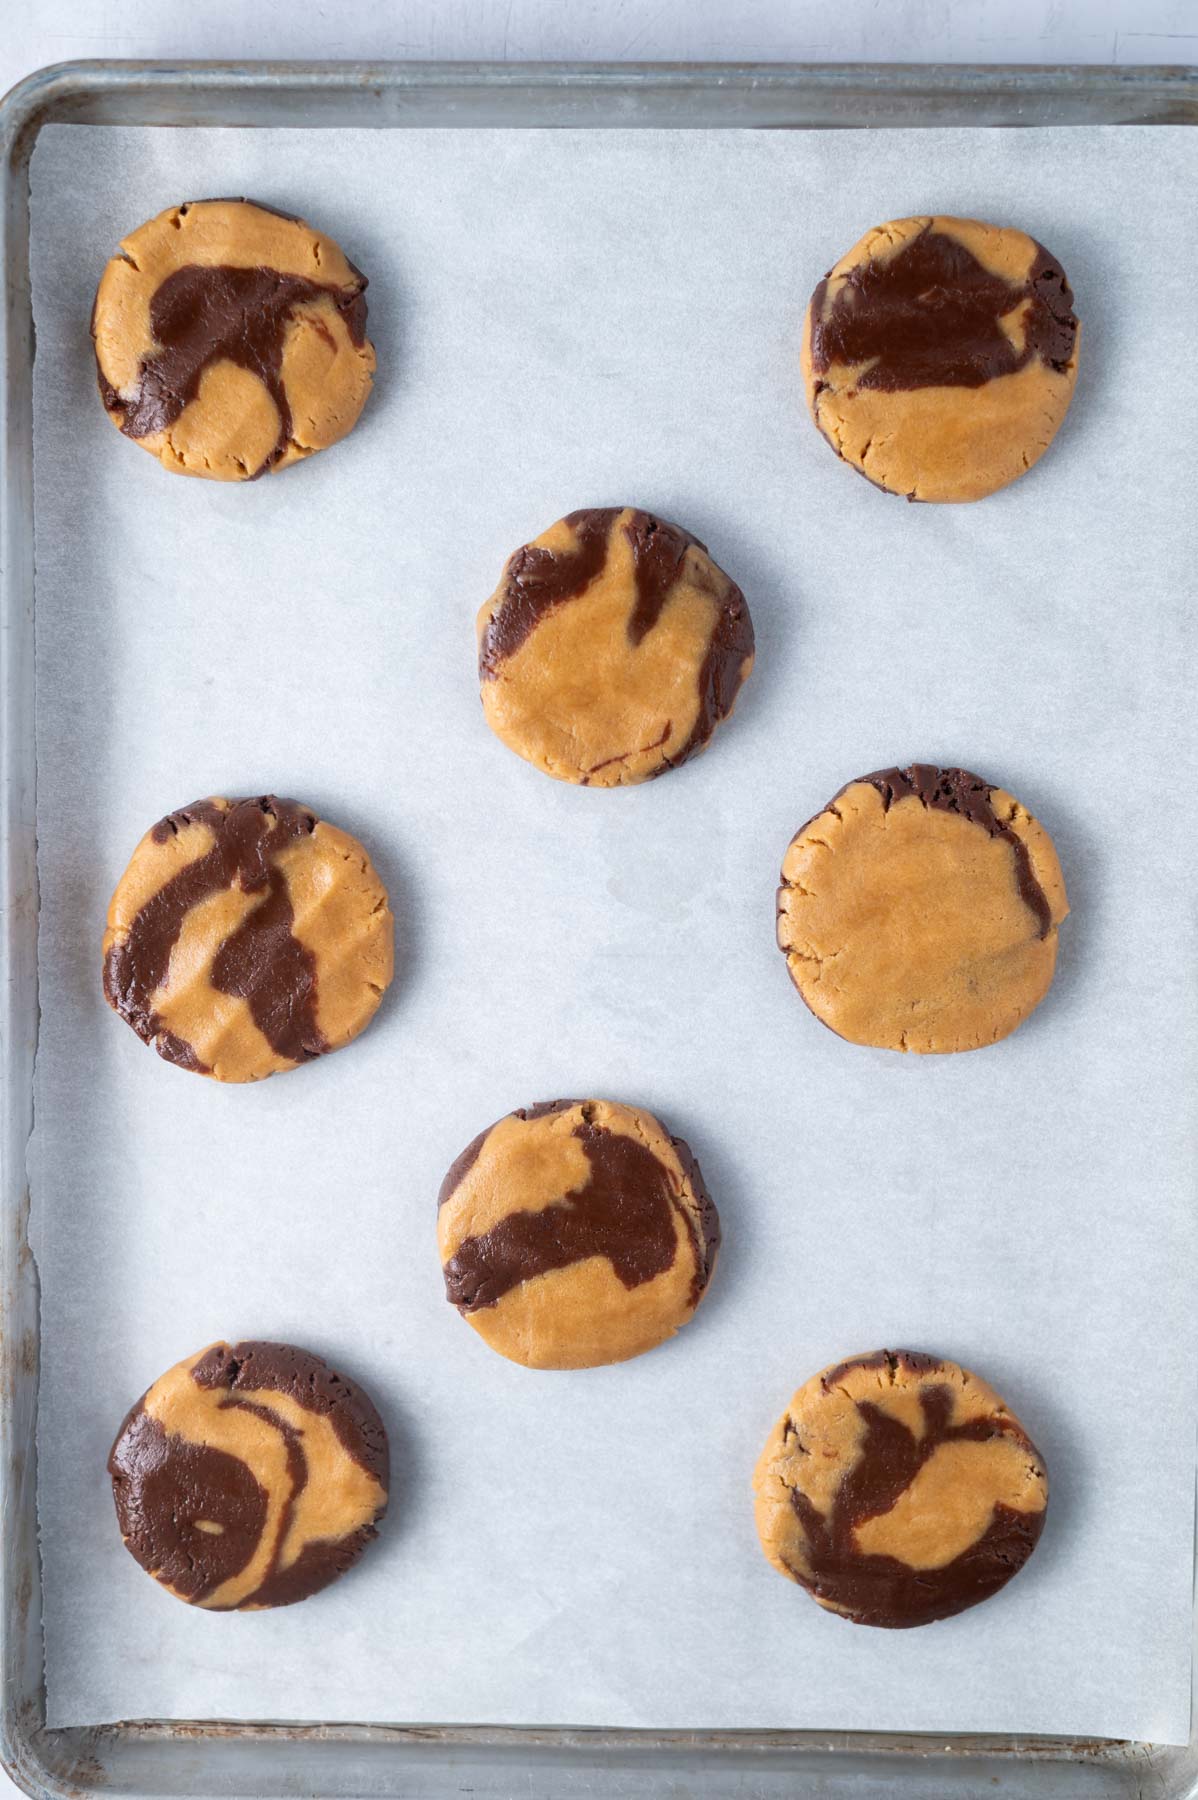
(939, 356)
(246, 937)
(251, 1475)
(576, 1232)
(898, 1489)
(231, 339)
(612, 648)
(919, 911)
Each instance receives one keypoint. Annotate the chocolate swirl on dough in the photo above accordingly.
(538, 580)
(883, 1589)
(929, 315)
(262, 962)
(957, 791)
(251, 1476)
(462, 1164)
(575, 1233)
(625, 1212)
(208, 313)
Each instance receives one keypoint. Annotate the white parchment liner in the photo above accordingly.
(566, 319)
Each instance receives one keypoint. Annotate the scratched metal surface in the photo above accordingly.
(145, 1758)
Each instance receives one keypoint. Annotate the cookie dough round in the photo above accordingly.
(919, 911)
(939, 356)
(576, 1232)
(249, 1476)
(231, 339)
(612, 648)
(246, 937)
(899, 1489)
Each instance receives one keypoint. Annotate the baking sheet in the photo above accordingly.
(565, 319)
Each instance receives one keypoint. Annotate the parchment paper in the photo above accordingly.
(566, 319)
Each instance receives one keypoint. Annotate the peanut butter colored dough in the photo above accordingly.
(246, 937)
(576, 1232)
(612, 648)
(231, 339)
(919, 911)
(249, 1476)
(899, 1489)
(939, 356)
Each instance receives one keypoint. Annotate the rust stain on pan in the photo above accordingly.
(917, 1747)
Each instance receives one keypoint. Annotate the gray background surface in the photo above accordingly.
(1026, 31)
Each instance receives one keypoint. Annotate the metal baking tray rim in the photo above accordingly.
(152, 1757)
